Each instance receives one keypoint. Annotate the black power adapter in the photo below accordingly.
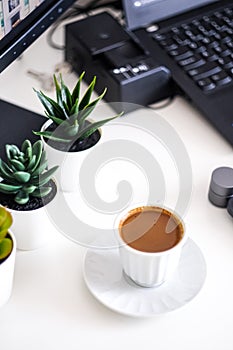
(100, 46)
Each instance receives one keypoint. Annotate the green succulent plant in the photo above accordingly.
(70, 111)
(5, 242)
(25, 173)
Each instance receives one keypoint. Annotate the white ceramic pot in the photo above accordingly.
(7, 274)
(32, 228)
(67, 175)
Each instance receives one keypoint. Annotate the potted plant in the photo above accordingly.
(68, 134)
(27, 188)
(7, 255)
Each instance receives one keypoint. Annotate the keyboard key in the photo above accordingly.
(203, 48)
(187, 61)
(196, 64)
(228, 63)
(225, 53)
(205, 71)
(159, 37)
(206, 84)
(181, 53)
(221, 78)
(214, 57)
(167, 42)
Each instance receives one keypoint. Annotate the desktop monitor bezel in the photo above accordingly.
(25, 33)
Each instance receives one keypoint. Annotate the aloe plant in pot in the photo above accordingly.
(26, 189)
(7, 255)
(69, 133)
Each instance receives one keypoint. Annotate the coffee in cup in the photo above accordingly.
(151, 229)
(151, 240)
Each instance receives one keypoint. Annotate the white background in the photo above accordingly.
(51, 308)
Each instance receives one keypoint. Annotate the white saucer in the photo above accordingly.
(106, 281)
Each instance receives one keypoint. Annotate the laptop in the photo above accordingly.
(194, 40)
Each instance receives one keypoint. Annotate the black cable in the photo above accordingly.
(74, 11)
(166, 103)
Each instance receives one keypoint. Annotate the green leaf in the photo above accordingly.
(44, 178)
(76, 90)
(51, 106)
(22, 176)
(18, 165)
(6, 223)
(72, 130)
(5, 248)
(90, 107)
(50, 135)
(56, 120)
(91, 128)
(12, 151)
(5, 171)
(6, 188)
(37, 150)
(87, 96)
(74, 109)
(29, 188)
(66, 95)
(3, 215)
(42, 192)
(28, 154)
(26, 146)
(21, 197)
(40, 169)
(32, 162)
(58, 89)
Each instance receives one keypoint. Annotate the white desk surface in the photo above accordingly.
(51, 308)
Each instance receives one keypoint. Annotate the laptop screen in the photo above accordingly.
(141, 13)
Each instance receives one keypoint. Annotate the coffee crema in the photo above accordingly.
(151, 229)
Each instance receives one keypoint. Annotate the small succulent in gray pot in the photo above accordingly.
(68, 128)
(26, 188)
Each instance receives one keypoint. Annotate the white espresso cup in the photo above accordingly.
(150, 244)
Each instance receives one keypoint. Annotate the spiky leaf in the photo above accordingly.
(87, 96)
(58, 90)
(51, 107)
(90, 107)
(76, 90)
(91, 128)
(72, 130)
(66, 95)
(56, 120)
(50, 135)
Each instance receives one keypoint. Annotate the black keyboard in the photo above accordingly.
(203, 48)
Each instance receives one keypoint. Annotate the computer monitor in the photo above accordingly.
(21, 23)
